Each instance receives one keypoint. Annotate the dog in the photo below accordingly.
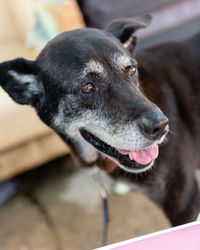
(106, 103)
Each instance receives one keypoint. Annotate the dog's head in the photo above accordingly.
(84, 84)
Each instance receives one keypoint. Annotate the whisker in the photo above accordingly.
(171, 132)
(165, 140)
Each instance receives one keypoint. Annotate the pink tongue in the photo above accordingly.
(143, 156)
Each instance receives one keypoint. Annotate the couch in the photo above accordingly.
(25, 142)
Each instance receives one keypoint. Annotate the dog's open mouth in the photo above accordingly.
(131, 160)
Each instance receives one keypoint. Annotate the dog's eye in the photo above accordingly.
(132, 71)
(88, 88)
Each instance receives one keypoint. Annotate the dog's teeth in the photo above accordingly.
(130, 156)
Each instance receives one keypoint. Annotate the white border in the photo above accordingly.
(122, 243)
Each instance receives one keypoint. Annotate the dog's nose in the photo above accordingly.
(154, 129)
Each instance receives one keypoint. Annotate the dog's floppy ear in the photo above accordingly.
(19, 78)
(124, 29)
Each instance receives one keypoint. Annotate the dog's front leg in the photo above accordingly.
(176, 192)
(182, 206)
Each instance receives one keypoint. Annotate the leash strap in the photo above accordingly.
(104, 197)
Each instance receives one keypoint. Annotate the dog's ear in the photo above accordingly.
(19, 78)
(124, 29)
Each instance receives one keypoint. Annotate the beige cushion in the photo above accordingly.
(18, 123)
(25, 142)
(30, 154)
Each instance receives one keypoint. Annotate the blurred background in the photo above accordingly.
(46, 202)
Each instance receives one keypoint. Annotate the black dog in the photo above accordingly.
(85, 85)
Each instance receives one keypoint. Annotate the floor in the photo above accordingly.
(59, 208)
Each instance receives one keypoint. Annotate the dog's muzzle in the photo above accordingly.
(135, 160)
(124, 160)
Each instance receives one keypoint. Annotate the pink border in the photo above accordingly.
(185, 237)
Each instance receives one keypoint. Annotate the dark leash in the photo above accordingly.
(104, 197)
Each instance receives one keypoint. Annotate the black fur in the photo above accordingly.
(169, 77)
